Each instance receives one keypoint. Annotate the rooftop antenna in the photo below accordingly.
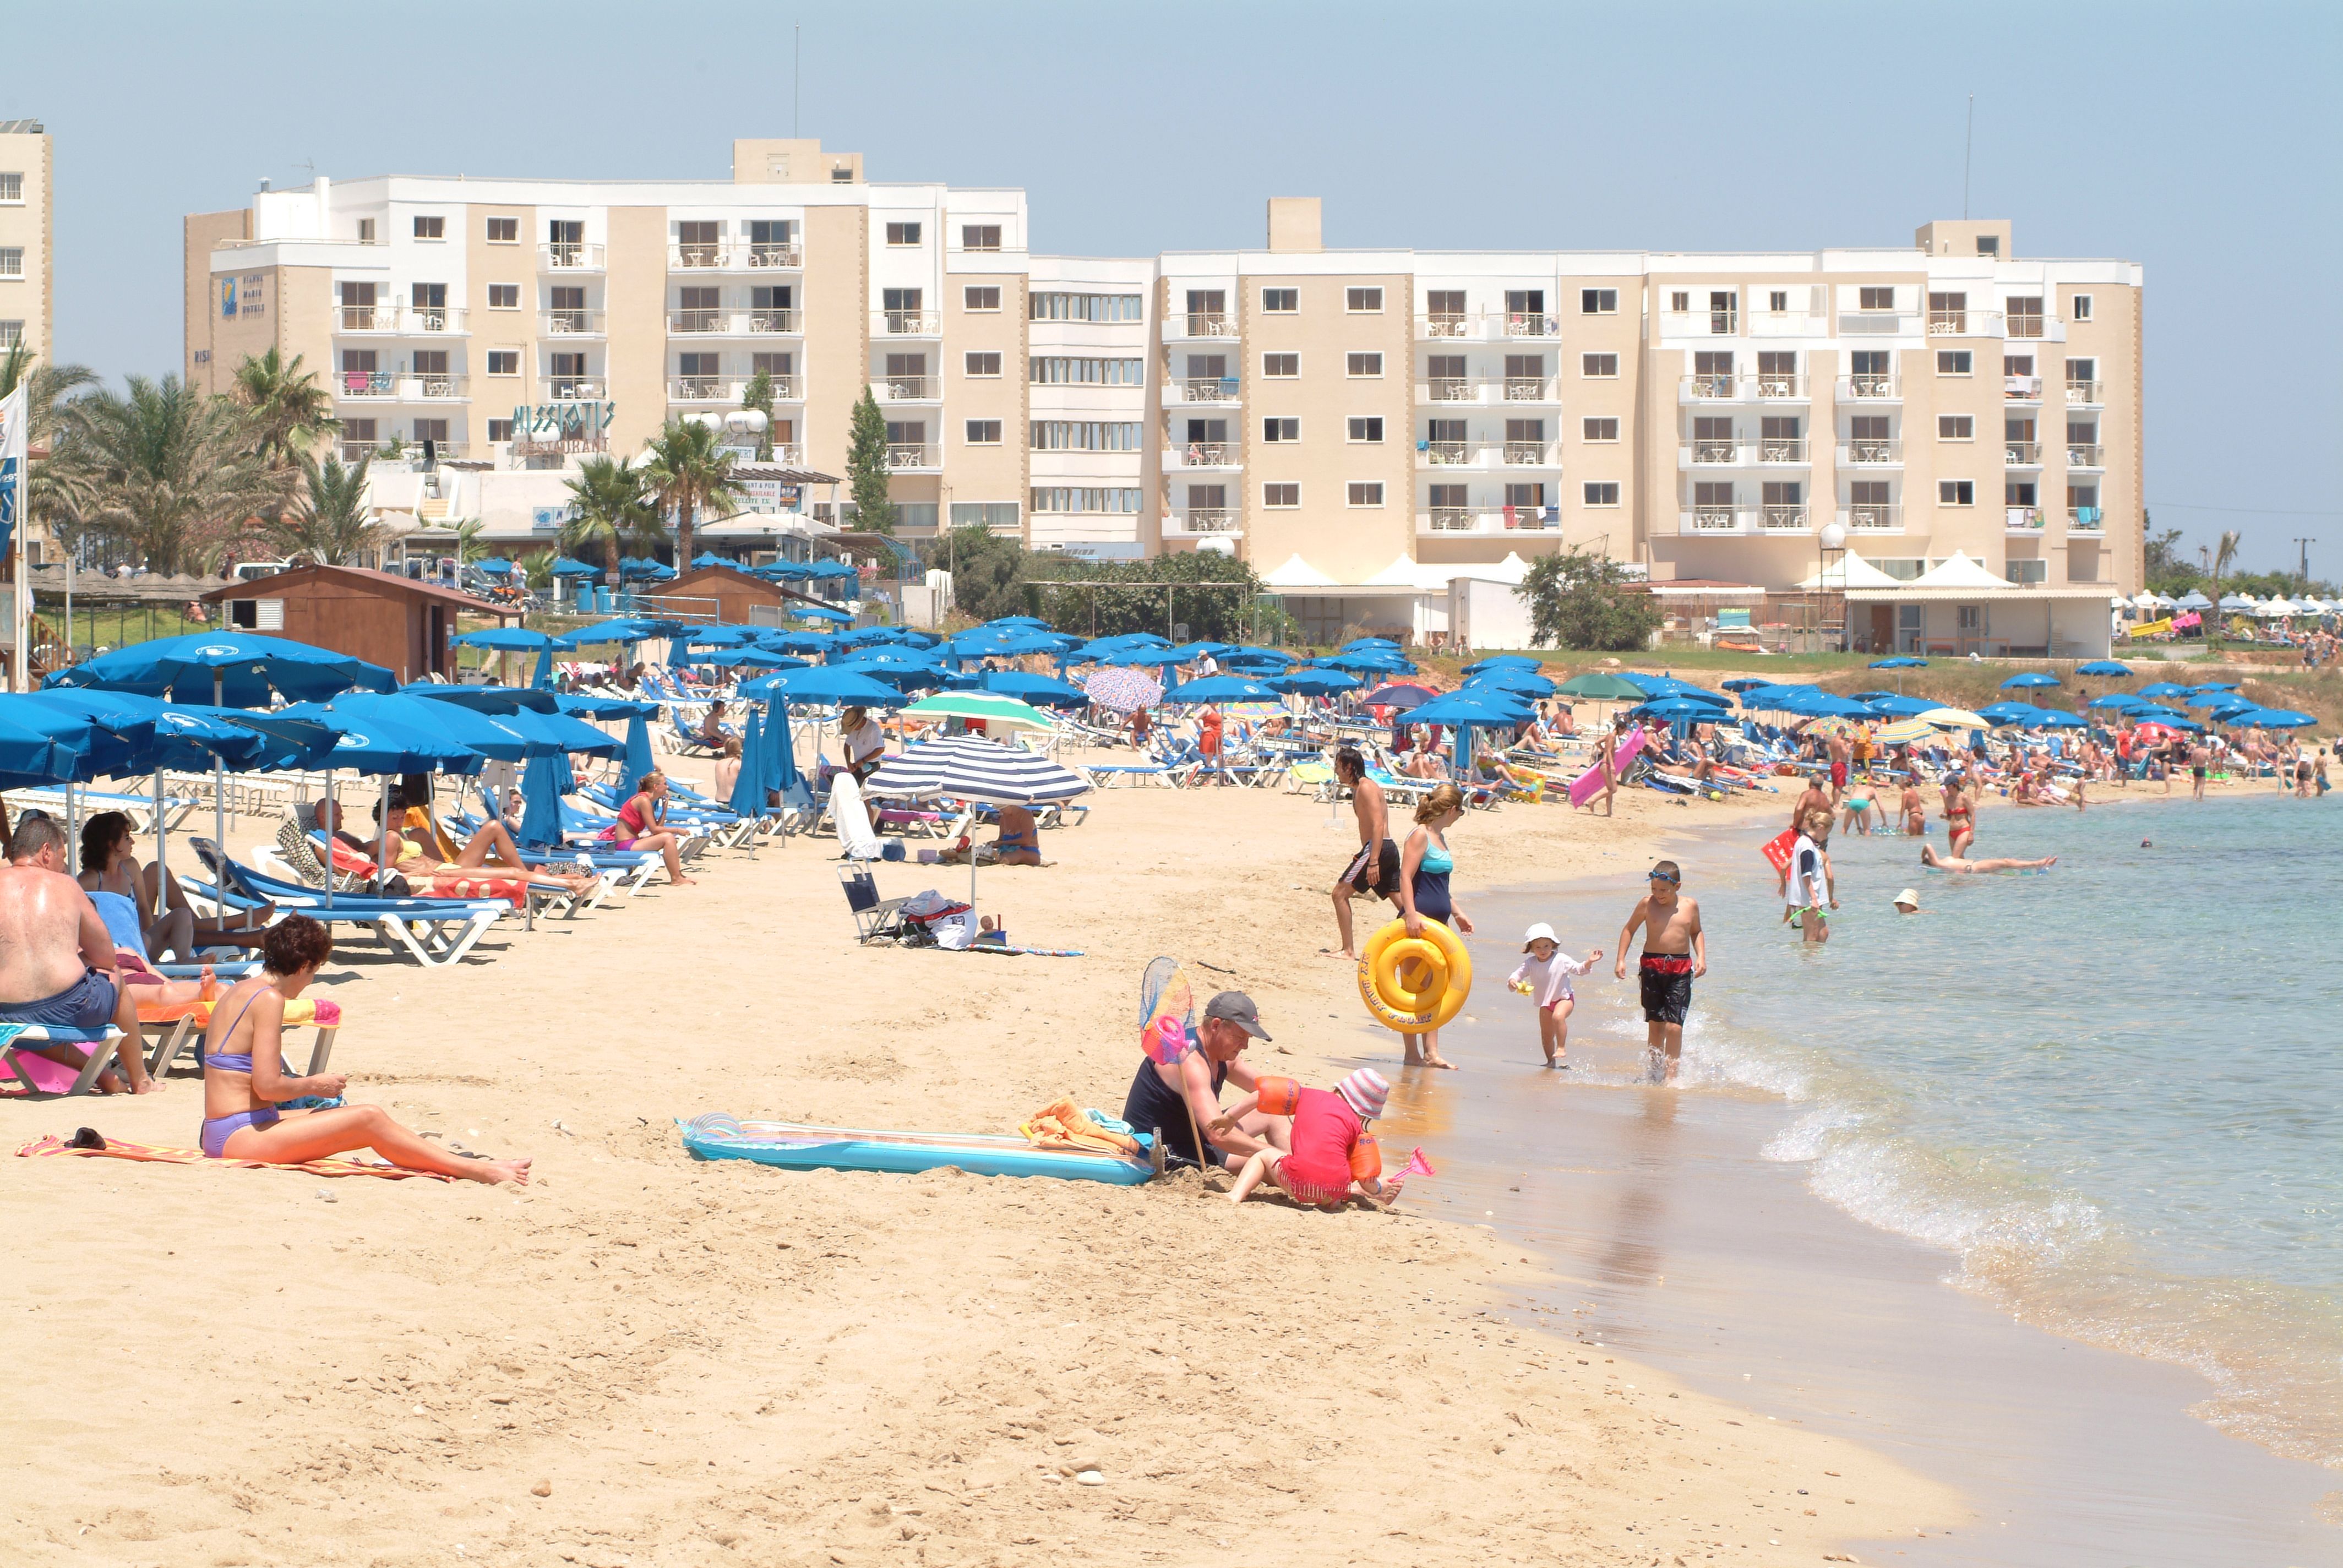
(2303, 569)
(1968, 146)
(796, 54)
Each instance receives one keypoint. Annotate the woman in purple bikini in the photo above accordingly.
(245, 1078)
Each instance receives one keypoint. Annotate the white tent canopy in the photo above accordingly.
(1850, 571)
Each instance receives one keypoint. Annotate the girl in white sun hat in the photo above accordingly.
(1544, 978)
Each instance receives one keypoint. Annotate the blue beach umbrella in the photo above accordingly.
(2210, 697)
(2119, 701)
(605, 709)
(822, 686)
(540, 803)
(822, 612)
(1900, 661)
(748, 787)
(2104, 666)
(1999, 714)
(229, 669)
(2163, 689)
(1523, 682)
(2280, 718)
(1311, 683)
(564, 567)
(2216, 686)
(1742, 683)
(2055, 718)
(2028, 681)
(1221, 689)
(1504, 662)
(1039, 690)
(1676, 710)
(1891, 706)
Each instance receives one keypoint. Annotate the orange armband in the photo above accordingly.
(1366, 1158)
(1278, 1096)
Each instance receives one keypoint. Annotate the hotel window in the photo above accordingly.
(1282, 366)
(366, 231)
(12, 333)
(986, 364)
(1953, 362)
(1364, 302)
(902, 233)
(984, 514)
(1286, 494)
(503, 231)
(2082, 307)
(1278, 431)
(1086, 307)
(1084, 436)
(1598, 302)
(1053, 370)
(1077, 498)
(1530, 496)
(1599, 429)
(432, 430)
(2025, 571)
(12, 261)
(1777, 302)
(1368, 428)
(2017, 492)
(504, 361)
(1875, 298)
(1366, 494)
(1955, 493)
(1955, 427)
(1280, 301)
(1601, 493)
(501, 429)
(1679, 301)
(1599, 366)
(774, 365)
(1365, 365)
(979, 237)
(984, 432)
(982, 296)
(431, 228)
(505, 296)
(694, 364)
(12, 189)
(1989, 244)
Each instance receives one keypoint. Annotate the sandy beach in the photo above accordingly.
(645, 1359)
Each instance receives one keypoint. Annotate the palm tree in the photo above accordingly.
(609, 510)
(468, 548)
(2224, 555)
(166, 468)
(331, 523)
(686, 469)
(290, 411)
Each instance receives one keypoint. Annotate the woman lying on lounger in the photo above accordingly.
(109, 864)
(245, 1078)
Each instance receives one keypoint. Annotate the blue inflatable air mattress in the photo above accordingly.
(800, 1148)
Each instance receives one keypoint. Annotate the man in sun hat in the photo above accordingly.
(1171, 1099)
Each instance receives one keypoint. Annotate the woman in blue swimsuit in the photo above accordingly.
(1425, 864)
(245, 1078)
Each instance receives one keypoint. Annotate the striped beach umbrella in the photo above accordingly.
(967, 768)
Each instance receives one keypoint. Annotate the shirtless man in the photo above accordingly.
(1841, 757)
(2200, 762)
(1675, 954)
(1929, 857)
(57, 957)
(1810, 800)
(1375, 867)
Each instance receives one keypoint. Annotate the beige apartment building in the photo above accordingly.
(1365, 428)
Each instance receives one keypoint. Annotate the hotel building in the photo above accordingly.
(1362, 426)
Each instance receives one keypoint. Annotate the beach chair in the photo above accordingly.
(38, 1075)
(177, 1023)
(875, 919)
(434, 932)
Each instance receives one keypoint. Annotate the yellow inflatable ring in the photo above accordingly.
(1432, 1003)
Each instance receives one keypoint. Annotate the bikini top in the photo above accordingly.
(233, 1060)
(1436, 861)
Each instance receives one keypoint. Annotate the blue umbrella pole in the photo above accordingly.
(219, 780)
(329, 848)
(162, 843)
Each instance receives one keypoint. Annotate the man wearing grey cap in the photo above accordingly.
(1172, 1099)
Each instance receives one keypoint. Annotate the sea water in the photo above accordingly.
(2113, 1090)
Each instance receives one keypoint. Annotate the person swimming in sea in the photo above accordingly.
(1936, 862)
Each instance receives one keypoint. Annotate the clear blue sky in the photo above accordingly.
(2200, 141)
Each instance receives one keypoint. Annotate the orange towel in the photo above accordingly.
(1062, 1125)
(117, 1148)
(300, 1011)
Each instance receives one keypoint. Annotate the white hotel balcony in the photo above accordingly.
(1745, 521)
(1745, 387)
(2021, 453)
(401, 320)
(1872, 518)
(909, 389)
(736, 255)
(2084, 395)
(1742, 452)
(572, 324)
(1488, 326)
(1488, 389)
(914, 457)
(1488, 454)
(2088, 521)
(1874, 389)
(2088, 457)
(732, 322)
(1201, 455)
(576, 388)
(1199, 522)
(1878, 323)
(1178, 324)
(400, 386)
(1871, 453)
(1447, 520)
(729, 388)
(1179, 389)
(1965, 323)
(904, 323)
(569, 256)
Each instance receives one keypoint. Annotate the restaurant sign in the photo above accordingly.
(543, 428)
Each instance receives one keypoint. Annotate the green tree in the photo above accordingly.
(330, 521)
(685, 469)
(290, 412)
(1133, 601)
(171, 472)
(1581, 600)
(610, 511)
(866, 468)
(537, 570)
(468, 548)
(988, 570)
(758, 394)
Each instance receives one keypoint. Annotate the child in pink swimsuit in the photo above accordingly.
(1332, 1151)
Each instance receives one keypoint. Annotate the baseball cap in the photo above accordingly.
(1235, 1007)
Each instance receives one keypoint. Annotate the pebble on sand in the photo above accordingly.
(1091, 1478)
(542, 1489)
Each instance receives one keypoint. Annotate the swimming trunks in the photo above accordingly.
(1374, 868)
(1668, 987)
(87, 1003)
(1838, 775)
